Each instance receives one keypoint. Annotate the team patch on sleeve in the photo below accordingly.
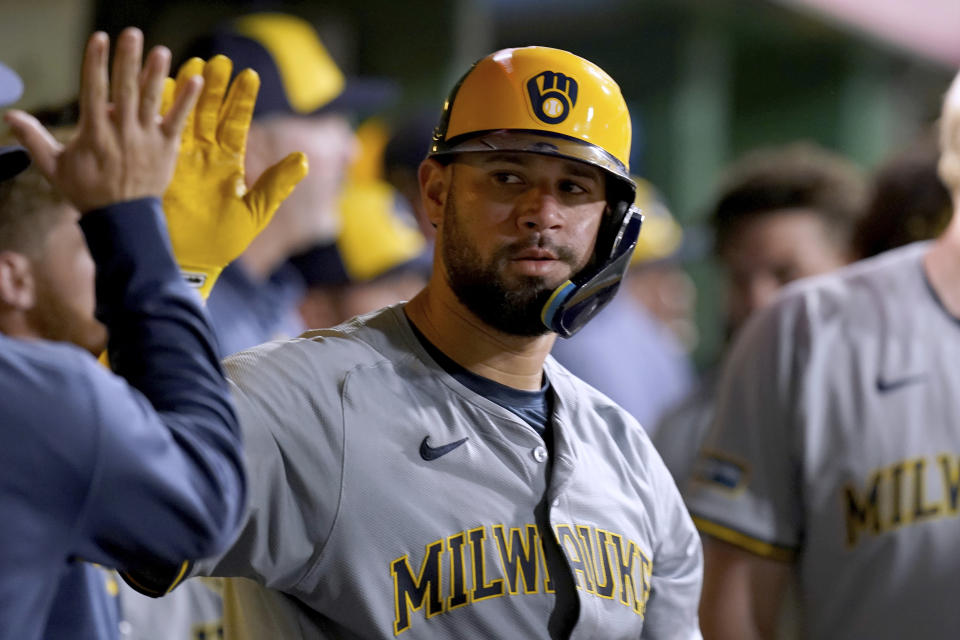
(719, 470)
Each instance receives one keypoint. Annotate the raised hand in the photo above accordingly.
(211, 215)
(122, 149)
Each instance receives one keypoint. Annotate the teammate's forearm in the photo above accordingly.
(742, 593)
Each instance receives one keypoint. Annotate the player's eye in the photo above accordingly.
(573, 188)
(785, 273)
(506, 177)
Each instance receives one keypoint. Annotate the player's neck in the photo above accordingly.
(14, 324)
(942, 264)
(514, 361)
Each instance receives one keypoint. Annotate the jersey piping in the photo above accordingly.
(744, 541)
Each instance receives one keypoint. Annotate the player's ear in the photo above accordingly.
(17, 287)
(435, 179)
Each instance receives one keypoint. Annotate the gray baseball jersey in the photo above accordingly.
(678, 434)
(387, 497)
(837, 446)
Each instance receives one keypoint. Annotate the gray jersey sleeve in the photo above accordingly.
(281, 398)
(677, 568)
(743, 489)
(679, 434)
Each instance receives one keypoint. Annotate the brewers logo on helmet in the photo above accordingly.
(552, 102)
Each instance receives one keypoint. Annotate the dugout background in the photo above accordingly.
(705, 79)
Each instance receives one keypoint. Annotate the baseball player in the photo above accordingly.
(908, 201)
(95, 469)
(427, 470)
(836, 455)
(780, 214)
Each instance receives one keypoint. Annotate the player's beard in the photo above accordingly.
(481, 287)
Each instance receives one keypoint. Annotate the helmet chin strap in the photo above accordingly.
(577, 300)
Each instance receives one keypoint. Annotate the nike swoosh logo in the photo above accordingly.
(886, 386)
(432, 453)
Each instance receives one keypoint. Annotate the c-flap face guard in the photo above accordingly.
(577, 300)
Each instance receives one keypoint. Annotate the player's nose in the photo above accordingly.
(539, 210)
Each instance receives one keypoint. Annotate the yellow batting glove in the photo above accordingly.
(211, 215)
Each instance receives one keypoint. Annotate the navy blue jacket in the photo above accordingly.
(119, 471)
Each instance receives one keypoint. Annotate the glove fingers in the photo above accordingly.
(274, 186)
(216, 75)
(190, 68)
(237, 111)
(175, 120)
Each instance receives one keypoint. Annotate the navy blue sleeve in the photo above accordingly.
(168, 484)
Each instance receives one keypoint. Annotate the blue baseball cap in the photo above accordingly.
(13, 159)
(11, 87)
(298, 76)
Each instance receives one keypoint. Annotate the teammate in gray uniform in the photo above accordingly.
(835, 456)
(780, 214)
(428, 468)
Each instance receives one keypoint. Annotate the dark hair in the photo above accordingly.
(908, 201)
(797, 176)
(65, 114)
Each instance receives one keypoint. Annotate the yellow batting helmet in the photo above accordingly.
(539, 100)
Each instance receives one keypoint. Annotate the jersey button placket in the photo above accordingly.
(539, 453)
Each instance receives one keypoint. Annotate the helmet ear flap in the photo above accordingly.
(573, 303)
(619, 202)
(620, 197)
(607, 233)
